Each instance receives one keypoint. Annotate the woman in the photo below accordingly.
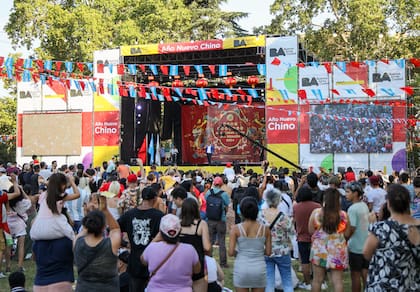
(16, 219)
(195, 232)
(394, 256)
(254, 241)
(53, 236)
(281, 227)
(95, 256)
(329, 248)
(171, 263)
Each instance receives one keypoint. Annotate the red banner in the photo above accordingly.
(203, 124)
(282, 124)
(106, 128)
(196, 46)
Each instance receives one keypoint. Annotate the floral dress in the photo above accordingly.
(329, 250)
(281, 234)
(393, 266)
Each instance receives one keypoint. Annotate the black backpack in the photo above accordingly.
(214, 209)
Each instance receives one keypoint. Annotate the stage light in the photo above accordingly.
(139, 107)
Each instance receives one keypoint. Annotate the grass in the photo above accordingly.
(30, 274)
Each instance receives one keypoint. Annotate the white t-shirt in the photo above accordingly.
(45, 173)
(285, 205)
(211, 269)
(229, 173)
(376, 196)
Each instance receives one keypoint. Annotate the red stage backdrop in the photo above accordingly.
(201, 124)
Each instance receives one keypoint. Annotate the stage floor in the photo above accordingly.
(209, 169)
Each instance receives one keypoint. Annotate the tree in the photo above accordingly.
(353, 29)
(73, 29)
(7, 127)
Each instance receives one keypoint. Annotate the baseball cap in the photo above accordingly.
(170, 225)
(228, 164)
(218, 181)
(374, 180)
(132, 178)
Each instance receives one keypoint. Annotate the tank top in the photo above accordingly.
(197, 242)
(101, 274)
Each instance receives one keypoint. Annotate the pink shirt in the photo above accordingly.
(176, 273)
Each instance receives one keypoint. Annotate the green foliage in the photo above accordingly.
(8, 127)
(72, 30)
(353, 29)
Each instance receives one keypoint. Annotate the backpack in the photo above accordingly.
(237, 195)
(214, 209)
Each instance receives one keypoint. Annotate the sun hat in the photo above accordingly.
(170, 225)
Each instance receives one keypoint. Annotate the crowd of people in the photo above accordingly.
(155, 230)
(335, 132)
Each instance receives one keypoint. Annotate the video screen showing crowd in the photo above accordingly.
(347, 128)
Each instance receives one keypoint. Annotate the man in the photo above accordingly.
(217, 205)
(179, 194)
(404, 182)
(17, 282)
(229, 172)
(174, 155)
(123, 170)
(357, 234)
(36, 179)
(141, 225)
(54, 166)
(209, 151)
(376, 196)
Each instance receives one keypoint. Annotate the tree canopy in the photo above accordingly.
(73, 29)
(350, 29)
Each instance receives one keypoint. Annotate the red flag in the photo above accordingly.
(249, 97)
(355, 64)
(58, 65)
(164, 69)
(68, 83)
(142, 91)
(194, 92)
(18, 76)
(302, 93)
(301, 65)
(50, 81)
(166, 92)
(81, 66)
(19, 63)
(408, 89)
(100, 68)
(142, 68)
(386, 61)
(235, 98)
(82, 85)
(335, 91)
(328, 67)
(276, 61)
(215, 93)
(1, 61)
(120, 69)
(186, 70)
(212, 69)
(35, 77)
(369, 92)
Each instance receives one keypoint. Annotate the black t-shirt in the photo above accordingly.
(141, 226)
(124, 282)
(34, 184)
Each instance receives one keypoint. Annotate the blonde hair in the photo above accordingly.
(114, 187)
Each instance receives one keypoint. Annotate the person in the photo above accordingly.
(179, 195)
(131, 196)
(170, 262)
(249, 242)
(376, 195)
(281, 227)
(356, 235)
(51, 223)
(217, 204)
(75, 207)
(123, 170)
(16, 219)
(209, 151)
(404, 180)
(329, 248)
(215, 275)
(349, 176)
(195, 232)
(393, 253)
(122, 270)
(174, 155)
(302, 212)
(96, 256)
(229, 172)
(17, 282)
(141, 225)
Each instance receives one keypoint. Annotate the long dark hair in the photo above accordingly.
(189, 212)
(331, 210)
(55, 190)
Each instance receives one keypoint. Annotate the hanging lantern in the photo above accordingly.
(152, 82)
(230, 81)
(177, 82)
(202, 82)
(253, 80)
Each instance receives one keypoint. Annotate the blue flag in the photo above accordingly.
(151, 150)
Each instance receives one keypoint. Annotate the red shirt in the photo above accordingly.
(3, 199)
(350, 176)
(302, 211)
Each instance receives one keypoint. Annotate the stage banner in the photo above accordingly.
(244, 42)
(349, 81)
(281, 78)
(106, 118)
(194, 134)
(315, 82)
(387, 78)
(203, 125)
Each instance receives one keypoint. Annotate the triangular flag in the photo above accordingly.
(81, 66)
(164, 69)
(100, 68)
(120, 69)
(157, 155)
(154, 70)
(212, 69)
(58, 65)
(261, 69)
(408, 89)
(186, 70)
(132, 69)
(151, 150)
(222, 70)
(69, 66)
(90, 66)
(276, 61)
(302, 93)
(173, 70)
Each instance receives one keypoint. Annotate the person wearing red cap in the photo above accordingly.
(376, 196)
(217, 204)
(131, 197)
